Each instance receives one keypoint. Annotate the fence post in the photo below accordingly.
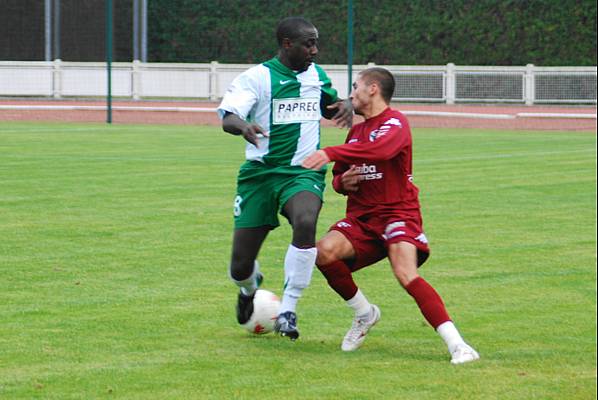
(213, 81)
(530, 85)
(450, 83)
(57, 79)
(136, 80)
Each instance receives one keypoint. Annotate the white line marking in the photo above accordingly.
(448, 114)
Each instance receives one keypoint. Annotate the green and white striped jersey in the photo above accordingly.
(286, 104)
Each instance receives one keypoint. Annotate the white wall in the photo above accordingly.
(445, 83)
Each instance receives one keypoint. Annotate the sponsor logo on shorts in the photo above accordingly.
(393, 225)
(394, 234)
(317, 187)
(294, 110)
(343, 224)
(368, 172)
(422, 238)
(391, 232)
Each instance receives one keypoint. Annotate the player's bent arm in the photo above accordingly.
(338, 170)
(328, 98)
(330, 110)
(346, 179)
(337, 185)
(341, 112)
(235, 125)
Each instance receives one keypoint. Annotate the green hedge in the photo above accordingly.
(432, 32)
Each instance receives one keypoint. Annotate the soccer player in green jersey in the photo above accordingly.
(277, 106)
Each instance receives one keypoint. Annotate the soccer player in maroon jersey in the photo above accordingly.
(373, 168)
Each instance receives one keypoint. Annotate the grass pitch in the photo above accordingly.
(114, 246)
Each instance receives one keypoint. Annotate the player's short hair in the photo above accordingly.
(291, 28)
(383, 78)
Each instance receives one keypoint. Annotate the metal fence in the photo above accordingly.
(443, 84)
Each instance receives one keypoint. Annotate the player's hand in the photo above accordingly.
(251, 133)
(316, 160)
(350, 179)
(344, 113)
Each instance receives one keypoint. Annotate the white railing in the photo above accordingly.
(444, 84)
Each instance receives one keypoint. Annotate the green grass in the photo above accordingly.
(114, 246)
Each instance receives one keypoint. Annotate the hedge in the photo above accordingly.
(416, 32)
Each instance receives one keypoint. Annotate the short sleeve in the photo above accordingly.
(241, 95)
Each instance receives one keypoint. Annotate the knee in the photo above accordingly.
(305, 221)
(304, 230)
(241, 267)
(404, 275)
(326, 253)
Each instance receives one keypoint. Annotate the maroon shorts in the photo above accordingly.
(371, 237)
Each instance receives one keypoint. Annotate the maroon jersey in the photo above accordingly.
(381, 149)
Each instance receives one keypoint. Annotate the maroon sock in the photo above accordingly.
(339, 278)
(429, 302)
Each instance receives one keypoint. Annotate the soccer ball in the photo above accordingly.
(265, 311)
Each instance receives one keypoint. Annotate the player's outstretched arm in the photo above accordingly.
(234, 125)
(316, 160)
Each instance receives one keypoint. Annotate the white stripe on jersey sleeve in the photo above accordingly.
(243, 93)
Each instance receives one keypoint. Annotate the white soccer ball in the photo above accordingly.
(265, 311)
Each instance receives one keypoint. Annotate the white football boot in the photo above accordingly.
(463, 353)
(356, 335)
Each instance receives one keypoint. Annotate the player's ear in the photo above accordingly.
(287, 43)
(374, 88)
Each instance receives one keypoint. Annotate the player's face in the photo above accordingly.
(302, 51)
(360, 95)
